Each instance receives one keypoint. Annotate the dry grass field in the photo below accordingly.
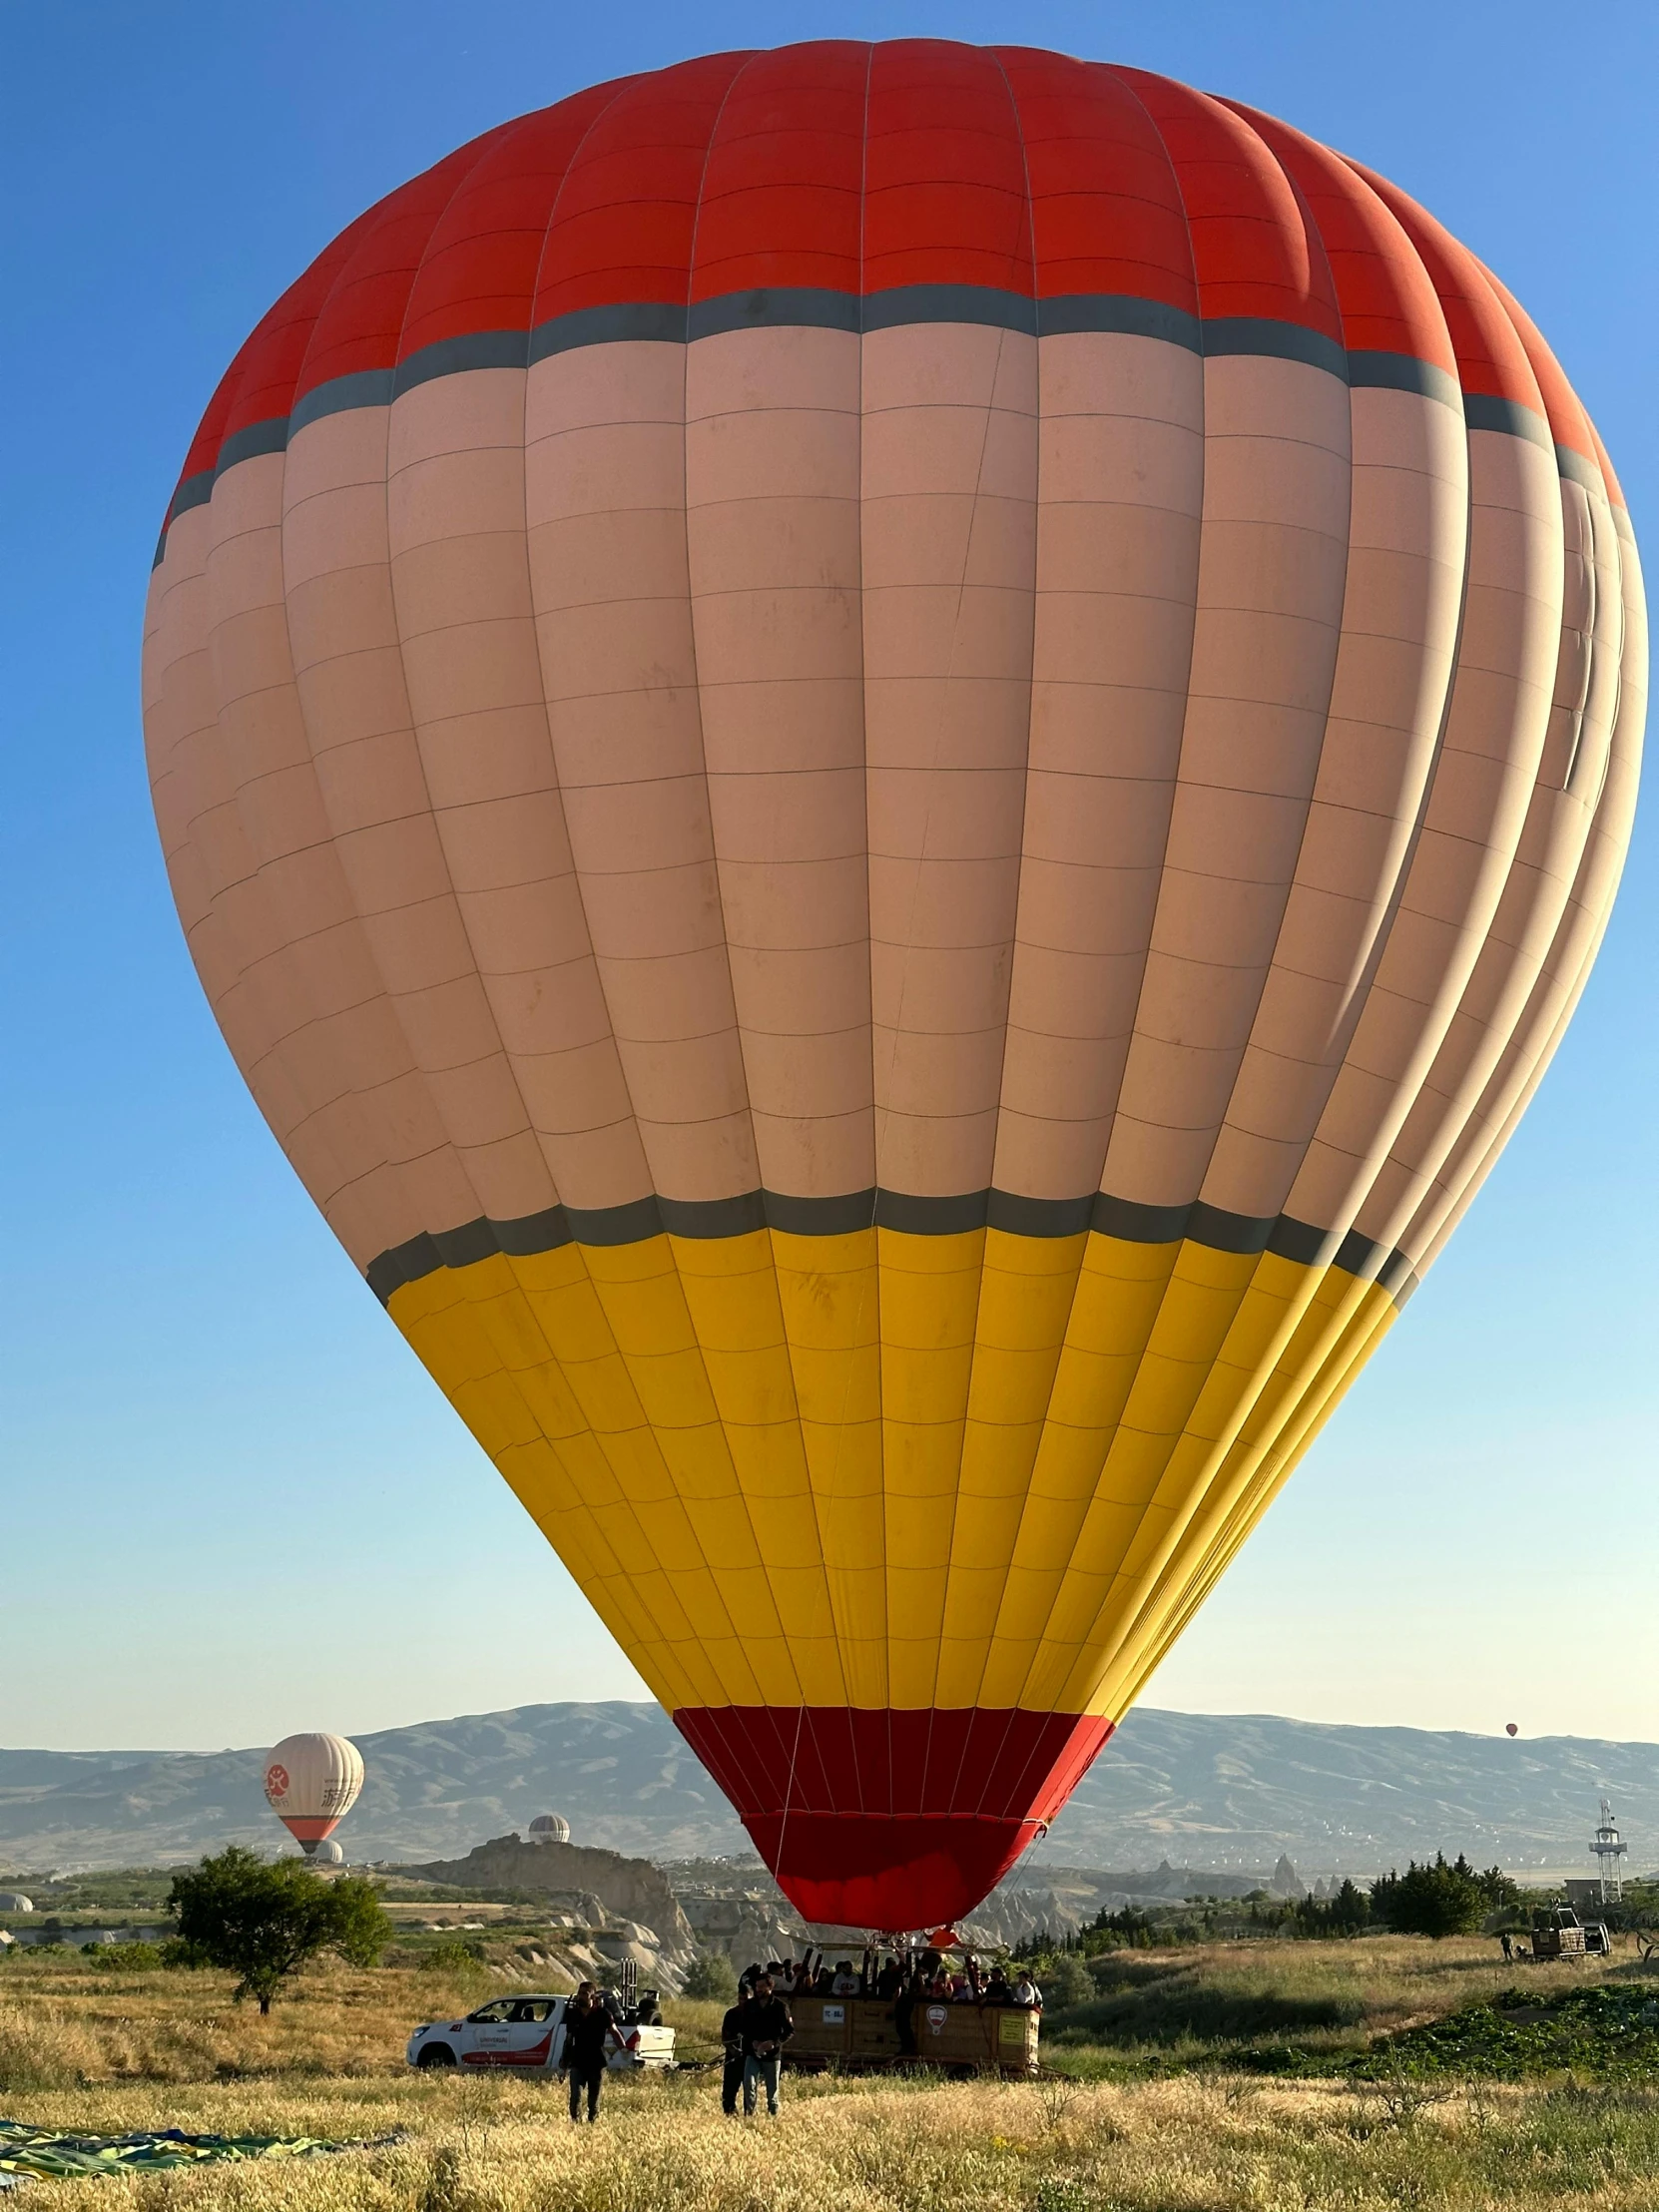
(1168, 2124)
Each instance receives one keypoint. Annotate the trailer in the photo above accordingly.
(1557, 1933)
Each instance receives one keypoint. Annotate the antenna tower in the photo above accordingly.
(1609, 1846)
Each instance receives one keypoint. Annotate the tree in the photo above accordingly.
(1441, 1900)
(712, 1974)
(264, 1921)
(1068, 1984)
(1343, 1913)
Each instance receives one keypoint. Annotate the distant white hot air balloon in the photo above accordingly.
(549, 1828)
(328, 1853)
(312, 1782)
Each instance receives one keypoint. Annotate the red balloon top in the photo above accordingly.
(847, 175)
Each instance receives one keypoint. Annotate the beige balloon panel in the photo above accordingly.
(870, 553)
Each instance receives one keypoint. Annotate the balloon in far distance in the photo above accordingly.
(549, 1828)
(892, 765)
(328, 1853)
(1511, 1729)
(312, 1782)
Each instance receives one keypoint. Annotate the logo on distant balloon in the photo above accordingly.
(276, 1783)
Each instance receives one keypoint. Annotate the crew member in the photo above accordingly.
(730, 2072)
(767, 2027)
(586, 2048)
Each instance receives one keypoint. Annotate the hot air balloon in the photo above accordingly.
(1511, 1729)
(327, 1853)
(549, 1828)
(892, 765)
(312, 1782)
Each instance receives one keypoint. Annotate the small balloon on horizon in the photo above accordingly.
(312, 1782)
(1511, 1729)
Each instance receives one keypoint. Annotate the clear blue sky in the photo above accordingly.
(231, 1502)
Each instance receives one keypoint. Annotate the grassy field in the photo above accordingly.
(1167, 2100)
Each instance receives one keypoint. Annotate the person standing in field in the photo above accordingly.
(586, 2048)
(731, 2076)
(767, 2027)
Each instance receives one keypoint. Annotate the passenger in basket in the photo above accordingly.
(586, 2048)
(890, 1981)
(1026, 1993)
(998, 1990)
(767, 2027)
(845, 1982)
(730, 2073)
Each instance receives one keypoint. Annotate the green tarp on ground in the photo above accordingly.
(52, 2153)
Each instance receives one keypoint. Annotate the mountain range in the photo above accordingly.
(1224, 1791)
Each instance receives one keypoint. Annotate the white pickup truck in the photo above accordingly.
(527, 2034)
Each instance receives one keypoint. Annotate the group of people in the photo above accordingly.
(922, 1977)
(757, 2026)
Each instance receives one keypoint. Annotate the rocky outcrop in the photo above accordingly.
(601, 1908)
(570, 1879)
(745, 1925)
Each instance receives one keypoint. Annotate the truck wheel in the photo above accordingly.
(436, 2055)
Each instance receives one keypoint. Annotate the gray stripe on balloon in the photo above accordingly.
(799, 307)
(707, 1219)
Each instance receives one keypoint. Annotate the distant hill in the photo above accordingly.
(1229, 1793)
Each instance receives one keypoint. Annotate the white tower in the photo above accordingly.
(1609, 1848)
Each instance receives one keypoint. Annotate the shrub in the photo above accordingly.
(1067, 1982)
(263, 1921)
(452, 1957)
(1440, 1900)
(138, 1957)
(712, 1974)
(1343, 1914)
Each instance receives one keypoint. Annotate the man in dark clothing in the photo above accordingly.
(730, 2073)
(586, 2048)
(767, 2027)
(911, 1993)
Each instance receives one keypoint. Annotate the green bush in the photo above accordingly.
(1343, 1914)
(452, 1957)
(138, 1957)
(1441, 1900)
(1069, 1983)
(711, 1975)
(263, 1921)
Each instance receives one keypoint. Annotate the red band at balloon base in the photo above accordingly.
(309, 1828)
(891, 1819)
